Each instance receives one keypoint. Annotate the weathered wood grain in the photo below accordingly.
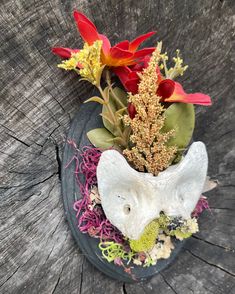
(37, 253)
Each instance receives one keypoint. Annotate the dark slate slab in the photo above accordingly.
(87, 119)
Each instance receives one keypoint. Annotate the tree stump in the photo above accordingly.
(38, 101)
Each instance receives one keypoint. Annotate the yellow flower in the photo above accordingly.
(178, 69)
(69, 64)
(89, 61)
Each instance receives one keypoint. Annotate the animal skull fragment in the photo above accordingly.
(132, 199)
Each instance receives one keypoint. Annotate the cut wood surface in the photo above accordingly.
(38, 101)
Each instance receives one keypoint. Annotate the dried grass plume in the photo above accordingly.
(148, 151)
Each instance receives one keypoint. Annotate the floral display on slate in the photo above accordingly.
(143, 180)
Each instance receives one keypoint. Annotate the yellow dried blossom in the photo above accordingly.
(149, 151)
(70, 63)
(178, 69)
(89, 59)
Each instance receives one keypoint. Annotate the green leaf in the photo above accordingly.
(101, 138)
(120, 111)
(181, 118)
(106, 117)
(122, 95)
(118, 141)
(95, 99)
(115, 107)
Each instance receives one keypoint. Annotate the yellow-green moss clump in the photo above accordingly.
(147, 239)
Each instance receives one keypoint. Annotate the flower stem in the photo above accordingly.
(108, 80)
(112, 115)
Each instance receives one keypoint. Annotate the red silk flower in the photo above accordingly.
(169, 90)
(129, 75)
(123, 53)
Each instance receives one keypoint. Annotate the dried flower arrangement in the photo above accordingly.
(137, 171)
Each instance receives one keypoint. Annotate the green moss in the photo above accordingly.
(163, 221)
(111, 251)
(147, 239)
(180, 234)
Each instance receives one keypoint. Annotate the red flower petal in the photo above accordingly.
(144, 52)
(78, 16)
(128, 78)
(106, 44)
(132, 85)
(123, 45)
(122, 72)
(131, 110)
(143, 63)
(136, 43)
(198, 98)
(133, 75)
(64, 52)
(118, 53)
(179, 95)
(86, 28)
(166, 88)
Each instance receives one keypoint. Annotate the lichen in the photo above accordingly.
(147, 239)
(162, 249)
(185, 230)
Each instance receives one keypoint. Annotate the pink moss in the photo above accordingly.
(90, 220)
(201, 205)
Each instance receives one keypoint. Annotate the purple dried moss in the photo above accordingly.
(91, 220)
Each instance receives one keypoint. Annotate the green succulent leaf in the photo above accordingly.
(95, 99)
(101, 138)
(181, 118)
(122, 95)
(120, 111)
(117, 103)
(106, 117)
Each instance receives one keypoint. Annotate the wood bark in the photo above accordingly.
(38, 100)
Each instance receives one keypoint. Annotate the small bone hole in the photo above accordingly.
(127, 208)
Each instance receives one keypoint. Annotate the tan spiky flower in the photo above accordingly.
(149, 151)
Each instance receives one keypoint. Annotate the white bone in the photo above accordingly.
(132, 199)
